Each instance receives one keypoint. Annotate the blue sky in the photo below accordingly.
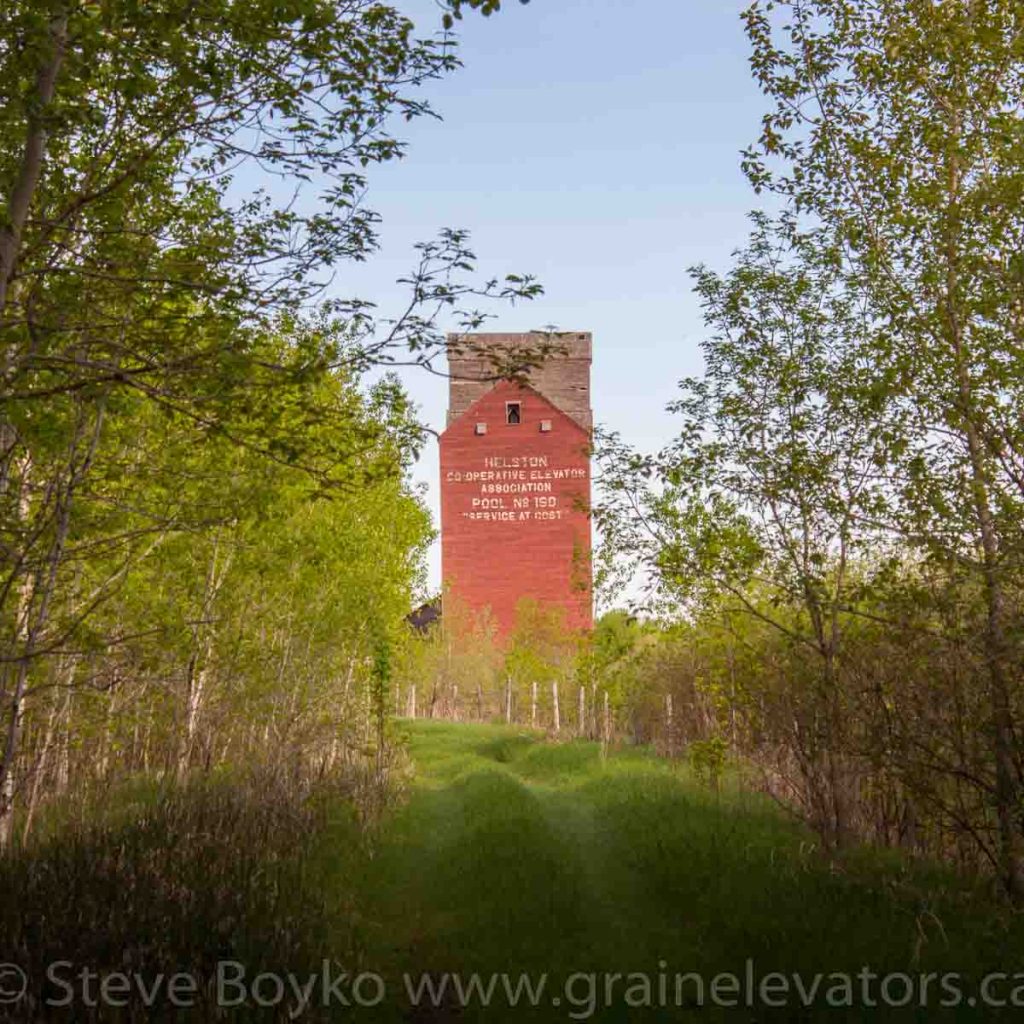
(595, 144)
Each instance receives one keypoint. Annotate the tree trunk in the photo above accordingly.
(669, 726)
(43, 761)
(197, 672)
(34, 600)
(606, 727)
(965, 419)
(32, 157)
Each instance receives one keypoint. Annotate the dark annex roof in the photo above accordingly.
(422, 618)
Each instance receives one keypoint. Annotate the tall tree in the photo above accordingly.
(899, 125)
(177, 180)
(764, 495)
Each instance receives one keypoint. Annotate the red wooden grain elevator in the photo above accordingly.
(515, 479)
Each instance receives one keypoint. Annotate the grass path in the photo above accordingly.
(514, 855)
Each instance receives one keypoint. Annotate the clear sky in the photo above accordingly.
(595, 144)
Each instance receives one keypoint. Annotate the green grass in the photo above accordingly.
(514, 855)
(509, 855)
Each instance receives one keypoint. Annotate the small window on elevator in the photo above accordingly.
(513, 413)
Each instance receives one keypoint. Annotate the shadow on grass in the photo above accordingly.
(601, 878)
(519, 856)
